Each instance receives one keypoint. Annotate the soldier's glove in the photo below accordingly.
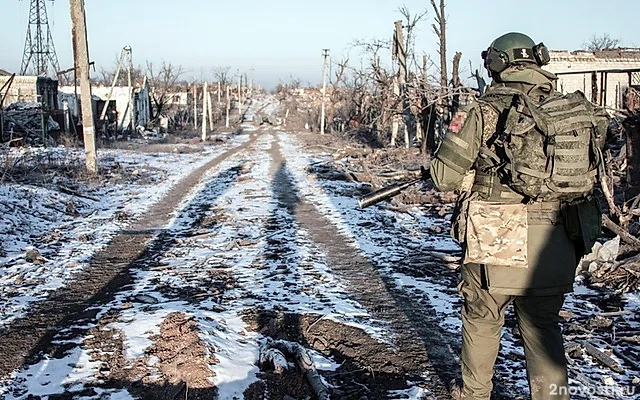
(425, 175)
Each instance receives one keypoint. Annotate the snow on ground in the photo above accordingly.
(389, 238)
(67, 229)
(232, 229)
(248, 235)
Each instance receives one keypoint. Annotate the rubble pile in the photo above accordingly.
(22, 123)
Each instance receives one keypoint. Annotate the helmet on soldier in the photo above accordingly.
(513, 48)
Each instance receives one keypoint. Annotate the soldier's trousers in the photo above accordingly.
(482, 321)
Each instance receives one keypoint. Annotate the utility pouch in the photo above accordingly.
(496, 234)
(583, 222)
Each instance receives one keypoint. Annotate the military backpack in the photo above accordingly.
(544, 150)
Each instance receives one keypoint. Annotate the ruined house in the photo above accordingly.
(30, 89)
(603, 76)
(118, 107)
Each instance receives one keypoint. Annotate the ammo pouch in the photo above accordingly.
(496, 234)
(583, 222)
(459, 216)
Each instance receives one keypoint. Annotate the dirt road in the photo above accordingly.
(253, 245)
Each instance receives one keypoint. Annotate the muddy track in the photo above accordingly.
(109, 270)
(420, 346)
(421, 350)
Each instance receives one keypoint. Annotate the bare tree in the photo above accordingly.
(455, 82)
(336, 95)
(222, 75)
(603, 42)
(411, 21)
(162, 83)
(440, 29)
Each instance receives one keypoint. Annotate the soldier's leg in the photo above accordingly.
(482, 320)
(543, 345)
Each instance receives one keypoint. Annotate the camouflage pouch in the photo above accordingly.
(496, 234)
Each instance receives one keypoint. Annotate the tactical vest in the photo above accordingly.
(541, 151)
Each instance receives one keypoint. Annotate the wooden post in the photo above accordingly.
(226, 124)
(210, 109)
(131, 94)
(325, 54)
(204, 112)
(65, 114)
(219, 89)
(239, 96)
(195, 106)
(81, 60)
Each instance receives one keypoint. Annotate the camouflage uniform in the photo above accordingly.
(540, 260)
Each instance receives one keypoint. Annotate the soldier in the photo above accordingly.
(530, 156)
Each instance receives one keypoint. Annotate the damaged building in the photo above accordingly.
(29, 112)
(30, 89)
(118, 114)
(603, 76)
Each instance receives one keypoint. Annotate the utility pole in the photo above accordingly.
(131, 94)
(210, 109)
(195, 106)
(125, 50)
(251, 82)
(239, 95)
(81, 60)
(204, 111)
(325, 54)
(228, 108)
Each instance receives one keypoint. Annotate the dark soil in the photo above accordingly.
(24, 341)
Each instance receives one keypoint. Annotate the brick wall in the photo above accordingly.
(617, 83)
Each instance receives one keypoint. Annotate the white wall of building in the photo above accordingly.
(142, 105)
(617, 83)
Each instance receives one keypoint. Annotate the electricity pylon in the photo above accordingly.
(39, 51)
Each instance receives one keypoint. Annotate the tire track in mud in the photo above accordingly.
(419, 344)
(24, 339)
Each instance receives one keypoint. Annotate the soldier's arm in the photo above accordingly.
(458, 151)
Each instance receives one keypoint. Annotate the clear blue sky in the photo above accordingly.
(280, 39)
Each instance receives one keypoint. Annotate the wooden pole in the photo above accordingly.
(325, 54)
(239, 96)
(204, 112)
(228, 108)
(195, 106)
(65, 113)
(210, 109)
(219, 89)
(131, 94)
(81, 59)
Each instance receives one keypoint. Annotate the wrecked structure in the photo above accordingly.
(118, 115)
(603, 76)
(30, 89)
(29, 111)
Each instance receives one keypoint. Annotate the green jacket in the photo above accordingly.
(552, 255)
